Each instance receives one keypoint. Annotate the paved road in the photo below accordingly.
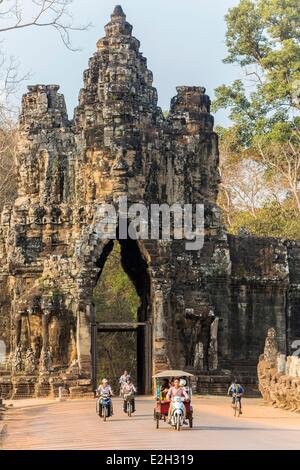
(74, 425)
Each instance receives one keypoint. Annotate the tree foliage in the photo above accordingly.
(8, 180)
(54, 14)
(260, 152)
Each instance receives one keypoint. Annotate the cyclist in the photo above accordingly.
(128, 392)
(123, 379)
(236, 392)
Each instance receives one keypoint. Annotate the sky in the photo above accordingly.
(183, 40)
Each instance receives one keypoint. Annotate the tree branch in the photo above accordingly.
(50, 13)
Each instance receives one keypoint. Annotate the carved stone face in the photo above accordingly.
(120, 166)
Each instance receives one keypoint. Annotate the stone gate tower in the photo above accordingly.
(208, 309)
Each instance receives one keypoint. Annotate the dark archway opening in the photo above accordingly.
(123, 313)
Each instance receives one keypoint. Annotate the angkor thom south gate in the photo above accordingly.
(205, 311)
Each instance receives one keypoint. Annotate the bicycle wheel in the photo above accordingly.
(239, 409)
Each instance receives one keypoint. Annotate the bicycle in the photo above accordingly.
(237, 405)
(129, 403)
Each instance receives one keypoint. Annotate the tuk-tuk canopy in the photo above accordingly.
(172, 373)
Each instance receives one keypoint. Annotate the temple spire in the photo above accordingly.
(118, 26)
(118, 12)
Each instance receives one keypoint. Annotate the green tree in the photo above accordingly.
(263, 38)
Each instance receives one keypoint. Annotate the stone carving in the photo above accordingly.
(17, 360)
(279, 382)
(51, 252)
(45, 361)
(191, 333)
(213, 345)
(270, 350)
(194, 329)
(199, 357)
(30, 362)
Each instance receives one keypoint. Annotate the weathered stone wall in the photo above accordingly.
(258, 288)
(208, 309)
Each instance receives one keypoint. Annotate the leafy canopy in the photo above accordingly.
(263, 37)
(263, 197)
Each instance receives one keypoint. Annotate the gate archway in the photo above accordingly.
(136, 268)
(144, 350)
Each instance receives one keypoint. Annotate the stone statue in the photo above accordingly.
(17, 362)
(30, 364)
(191, 332)
(199, 356)
(45, 361)
(279, 382)
(270, 350)
(213, 345)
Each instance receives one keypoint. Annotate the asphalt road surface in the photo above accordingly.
(40, 424)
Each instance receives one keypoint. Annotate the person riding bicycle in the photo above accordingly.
(123, 379)
(128, 391)
(104, 391)
(236, 392)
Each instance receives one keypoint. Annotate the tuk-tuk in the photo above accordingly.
(163, 382)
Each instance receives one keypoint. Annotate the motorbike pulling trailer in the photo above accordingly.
(163, 381)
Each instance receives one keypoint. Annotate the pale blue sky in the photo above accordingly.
(183, 40)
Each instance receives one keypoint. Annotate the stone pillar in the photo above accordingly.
(17, 360)
(18, 323)
(271, 350)
(45, 359)
(213, 345)
(45, 324)
(160, 339)
(84, 339)
(199, 357)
